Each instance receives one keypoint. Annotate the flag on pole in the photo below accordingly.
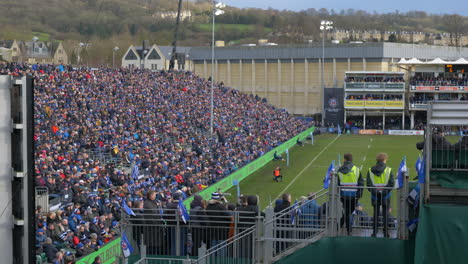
(135, 172)
(295, 212)
(127, 209)
(183, 212)
(127, 248)
(421, 169)
(401, 173)
(339, 130)
(326, 181)
(412, 224)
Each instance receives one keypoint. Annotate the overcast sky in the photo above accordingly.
(430, 6)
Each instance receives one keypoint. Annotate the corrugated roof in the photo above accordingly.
(314, 51)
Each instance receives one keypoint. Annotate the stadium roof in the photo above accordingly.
(342, 51)
(436, 61)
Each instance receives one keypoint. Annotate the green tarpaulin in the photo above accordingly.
(352, 250)
(442, 236)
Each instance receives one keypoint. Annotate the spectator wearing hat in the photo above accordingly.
(219, 220)
(40, 237)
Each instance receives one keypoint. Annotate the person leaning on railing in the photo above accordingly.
(380, 180)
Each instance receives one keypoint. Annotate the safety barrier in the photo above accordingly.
(250, 168)
(240, 237)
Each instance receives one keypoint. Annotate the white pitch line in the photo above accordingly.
(305, 168)
(365, 157)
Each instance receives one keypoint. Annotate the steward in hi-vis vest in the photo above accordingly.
(380, 182)
(349, 177)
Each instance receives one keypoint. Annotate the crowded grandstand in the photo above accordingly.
(152, 129)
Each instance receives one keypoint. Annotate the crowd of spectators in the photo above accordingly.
(154, 125)
(452, 80)
(387, 79)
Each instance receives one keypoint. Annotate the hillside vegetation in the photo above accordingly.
(107, 23)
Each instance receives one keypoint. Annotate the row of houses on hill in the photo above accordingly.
(33, 52)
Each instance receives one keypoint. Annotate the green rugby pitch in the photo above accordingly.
(308, 164)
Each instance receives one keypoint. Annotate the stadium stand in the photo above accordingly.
(107, 137)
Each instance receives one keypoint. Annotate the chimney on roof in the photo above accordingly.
(145, 45)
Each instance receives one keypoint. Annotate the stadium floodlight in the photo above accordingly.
(217, 10)
(220, 5)
(325, 25)
(114, 50)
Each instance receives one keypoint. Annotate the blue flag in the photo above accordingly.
(326, 181)
(127, 209)
(401, 173)
(135, 172)
(295, 212)
(421, 169)
(127, 248)
(183, 212)
(339, 130)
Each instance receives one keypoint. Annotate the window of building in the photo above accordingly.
(154, 66)
(15, 49)
(131, 56)
(154, 55)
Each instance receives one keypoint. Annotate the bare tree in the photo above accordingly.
(455, 26)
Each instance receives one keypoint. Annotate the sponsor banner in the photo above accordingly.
(354, 103)
(109, 253)
(371, 132)
(394, 104)
(375, 104)
(448, 88)
(406, 132)
(334, 106)
(425, 88)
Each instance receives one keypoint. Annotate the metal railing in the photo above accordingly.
(300, 224)
(243, 237)
(356, 220)
(42, 198)
(163, 231)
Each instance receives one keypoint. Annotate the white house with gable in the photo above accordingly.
(155, 58)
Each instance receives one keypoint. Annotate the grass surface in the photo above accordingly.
(309, 164)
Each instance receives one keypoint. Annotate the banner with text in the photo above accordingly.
(334, 106)
(406, 132)
(109, 253)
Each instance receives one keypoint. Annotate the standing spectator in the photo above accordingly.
(349, 176)
(219, 219)
(380, 176)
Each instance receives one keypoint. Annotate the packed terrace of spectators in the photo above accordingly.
(154, 126)
(374, 79)
(446, 81)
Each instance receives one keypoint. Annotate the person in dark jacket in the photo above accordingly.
(348, 176)
(172, 220)
(247, 212)
(219, 220)
(283, 220)
(198, 223)
(380, 180)
(154, 234)
(49, 249)
(439, 142)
